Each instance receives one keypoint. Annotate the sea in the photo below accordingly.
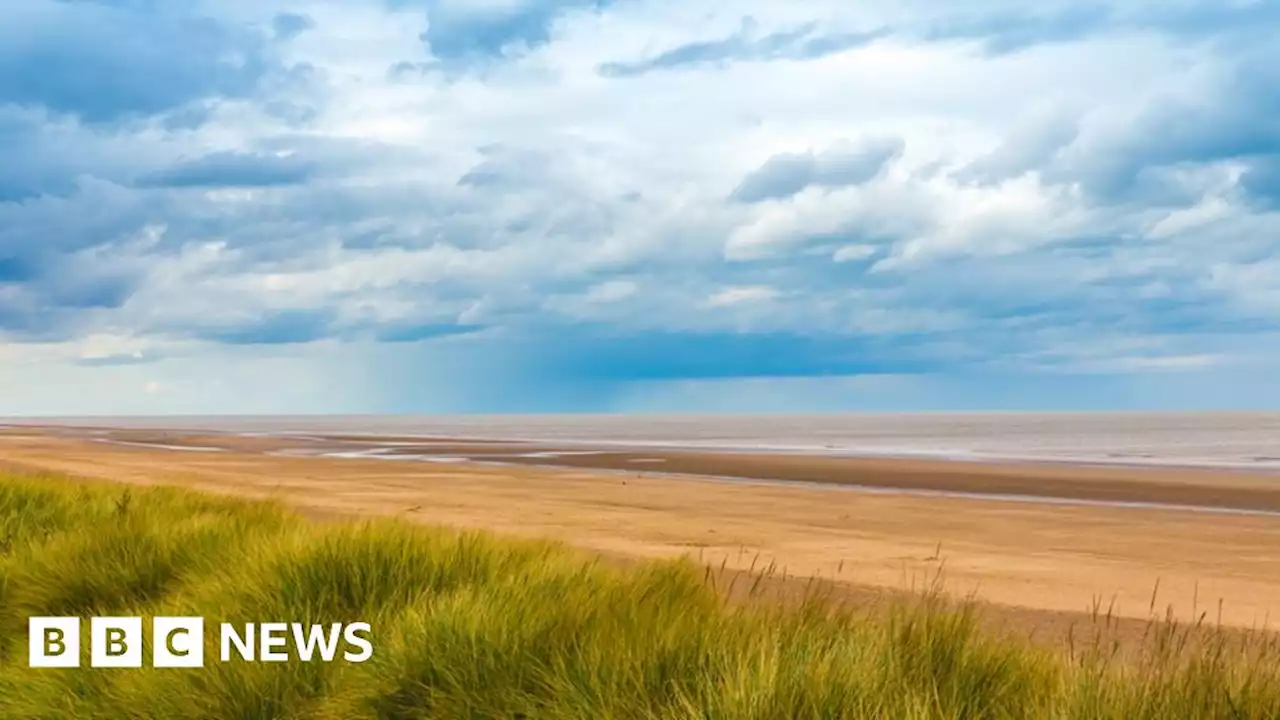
(1222, 439)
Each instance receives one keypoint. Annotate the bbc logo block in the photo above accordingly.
(178, 642)
(115, 642)
(55, 641)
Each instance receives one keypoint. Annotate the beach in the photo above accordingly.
(1050, 538)
(1205, 439)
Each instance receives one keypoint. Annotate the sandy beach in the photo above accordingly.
(1045, 538)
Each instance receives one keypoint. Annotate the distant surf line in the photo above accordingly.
(159, 446)
(1260, 465)
(862, 488)
(922, 492)
(380, 453)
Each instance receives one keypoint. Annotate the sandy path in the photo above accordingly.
(1047, 557)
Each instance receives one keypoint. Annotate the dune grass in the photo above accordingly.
(468, 625)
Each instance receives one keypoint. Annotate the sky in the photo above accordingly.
(473, 206)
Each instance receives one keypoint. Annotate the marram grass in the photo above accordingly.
(468, 625)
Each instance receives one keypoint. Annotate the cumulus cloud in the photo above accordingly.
(466, 30)
(738, 295)
(1261, 180)
(85, 58)
(574, 198)
(784, 175)
(747, 44)
(230, 169)
(288, 25)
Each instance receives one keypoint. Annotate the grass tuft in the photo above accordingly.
(467, 625)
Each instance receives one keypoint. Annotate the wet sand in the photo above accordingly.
(1231, 490)
(1182, 487)
(1045, 559)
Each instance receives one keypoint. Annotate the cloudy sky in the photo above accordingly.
(295, 206)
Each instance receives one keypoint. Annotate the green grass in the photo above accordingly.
(475, 626)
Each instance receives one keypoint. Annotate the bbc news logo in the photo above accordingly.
(178, 642)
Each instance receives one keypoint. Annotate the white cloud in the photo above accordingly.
(611, 291)
(853, 253)
(740, 295)
(1190, 218)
